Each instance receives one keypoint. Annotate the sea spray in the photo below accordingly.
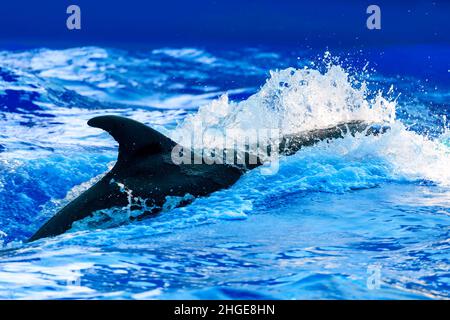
(293, 101)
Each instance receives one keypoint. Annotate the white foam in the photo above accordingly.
(296, 100)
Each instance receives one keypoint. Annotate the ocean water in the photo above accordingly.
(364, 217)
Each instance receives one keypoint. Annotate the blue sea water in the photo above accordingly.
(316, 229)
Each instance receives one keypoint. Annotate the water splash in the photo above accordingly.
(297, 100)
(293, 101)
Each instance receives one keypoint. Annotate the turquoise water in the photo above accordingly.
(317, 228)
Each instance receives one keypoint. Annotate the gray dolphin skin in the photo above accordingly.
(145, 166)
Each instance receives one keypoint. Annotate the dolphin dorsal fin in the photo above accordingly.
(133, 137)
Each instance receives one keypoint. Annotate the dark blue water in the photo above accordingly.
(318, 228)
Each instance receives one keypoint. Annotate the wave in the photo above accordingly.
(146, 79)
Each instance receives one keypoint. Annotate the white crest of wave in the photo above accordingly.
(410, 155)
(292, 101)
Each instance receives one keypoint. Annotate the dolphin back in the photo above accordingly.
(145, 168)
(135, 140)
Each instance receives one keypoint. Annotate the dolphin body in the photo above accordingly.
(145, 167)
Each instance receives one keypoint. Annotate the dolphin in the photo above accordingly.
(145, 168)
